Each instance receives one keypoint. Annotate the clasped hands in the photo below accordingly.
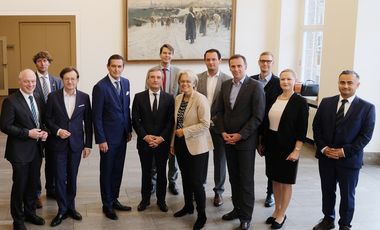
(231, 138)
(153, 141)
(38, 134)
(333, 153)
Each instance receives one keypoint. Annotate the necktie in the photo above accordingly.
(164, 79)
(34, 111)
(117, 83)
(340, 113)
(154, 109)
(45, 88)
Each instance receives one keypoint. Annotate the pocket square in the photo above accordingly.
(80, 105)
(127, 93)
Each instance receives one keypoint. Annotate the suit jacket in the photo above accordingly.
(246, 115)
(55, 84)
(79, 125)
(272, 89)
(293, 124)
(352, 134)
(196, 123)
(16, 120)
(145, 122)
(110, 112)
(202, 88)
(174, 71)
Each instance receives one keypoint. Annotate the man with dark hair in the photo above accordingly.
(240, 111)
(343, 126)
(209, 84)
(21, 119)
(271, 84)
(45, 84)
(113, 129)
(169, 85)
(68, 117)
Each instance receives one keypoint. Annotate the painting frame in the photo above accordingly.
(148, 27)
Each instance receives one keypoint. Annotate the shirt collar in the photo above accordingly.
(113, 80)
(68, 95)
(217, 74)
(41, 75)
(151, 92)
(25, 94)
(241, 80)
(167, 67)
(267, 77)
(350, 99)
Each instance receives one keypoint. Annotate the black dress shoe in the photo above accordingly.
(74, 214)
(118, 206)
(324, 224)
(142, 206)
(270, 220)
(201, 220)
(269, 201)
(184, 211)
(34, 219)
(344, 228)
(231, 215)
(218, 200)
(244, 224)
(58, 220)
(19, 226)
(110, 213)
(276, 225)
(163, 207)
(173, 189)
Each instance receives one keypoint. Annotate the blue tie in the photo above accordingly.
(34, 111)
(117, 87)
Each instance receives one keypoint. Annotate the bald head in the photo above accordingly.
(27, 81)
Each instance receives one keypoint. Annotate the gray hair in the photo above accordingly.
(193, 77)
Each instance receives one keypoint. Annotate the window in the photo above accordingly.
(312, 38)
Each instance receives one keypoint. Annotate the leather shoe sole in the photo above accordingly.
(230, 216)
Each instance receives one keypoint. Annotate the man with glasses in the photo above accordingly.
(272, 89)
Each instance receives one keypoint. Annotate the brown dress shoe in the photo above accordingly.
(218, 200)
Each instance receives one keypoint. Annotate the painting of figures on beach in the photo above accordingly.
(190, 26)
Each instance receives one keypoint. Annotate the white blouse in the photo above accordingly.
(275, 113)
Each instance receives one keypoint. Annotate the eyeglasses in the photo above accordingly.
(266, 61)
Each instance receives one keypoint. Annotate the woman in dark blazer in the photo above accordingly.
(283, 140)
(191, 144)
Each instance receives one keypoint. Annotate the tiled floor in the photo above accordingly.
(304, 210)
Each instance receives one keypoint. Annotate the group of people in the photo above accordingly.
(180, 117)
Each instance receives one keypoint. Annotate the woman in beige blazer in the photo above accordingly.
(191, 143)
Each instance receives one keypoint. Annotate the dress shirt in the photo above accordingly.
(151, 98)
(211, 85)
(26, 97)
(347, 105)
(43, 78)
(169, 77)
(235, 91)
(266, 79)
(69, 102)
(113, 80)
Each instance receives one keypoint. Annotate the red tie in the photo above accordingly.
(164, 79)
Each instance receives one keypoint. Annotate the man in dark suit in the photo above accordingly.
(113, 129)
(272, 89)
(21, 121)
(209, 84)
(152, 118)
(45, 84)
(241, 108)
(343, 126)
(68, 117)
(170, 85)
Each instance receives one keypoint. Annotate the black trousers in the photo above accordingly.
(193, 171)
(24, 187)
(160, 157)
(241, 167)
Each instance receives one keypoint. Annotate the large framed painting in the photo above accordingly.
(190, 26)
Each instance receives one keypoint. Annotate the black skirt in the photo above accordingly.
(277, 167)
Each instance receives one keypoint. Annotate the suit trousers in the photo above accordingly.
(111, 172)
(241, 167)
(49, 172)
(160, 157)
(193, 170)
(347, 179)
(220, 163)
(66, 164)
(24, 187)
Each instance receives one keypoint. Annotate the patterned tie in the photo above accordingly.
(34, 111)
(45, 88)
(117, 83)
(340, 113)
(155, 103)
(164, 79)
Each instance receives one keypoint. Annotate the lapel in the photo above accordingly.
(38, 84)
(189, 104)
(61, 102)
(241, 91)
(203, 83)
(112, 88)
(349, 112)
(53, 85)
(25, 106)
(146, 97)
(334, 106)
(217, 88)
(161, 101)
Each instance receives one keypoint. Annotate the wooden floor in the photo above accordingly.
(303, 213)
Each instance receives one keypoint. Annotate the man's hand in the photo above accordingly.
(231, 138)
(129, 137)
(86, 152)
(103, 147)
(333, 153)
(37, 134)
(179, 133)
(63, 133)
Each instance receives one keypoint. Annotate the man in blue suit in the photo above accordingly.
(343, 126)
(113, 129)
(68, 117)
(45, 84)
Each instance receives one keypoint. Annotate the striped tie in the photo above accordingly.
(117, 83)
(34, 111)
(45, 88)
(340, 113)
